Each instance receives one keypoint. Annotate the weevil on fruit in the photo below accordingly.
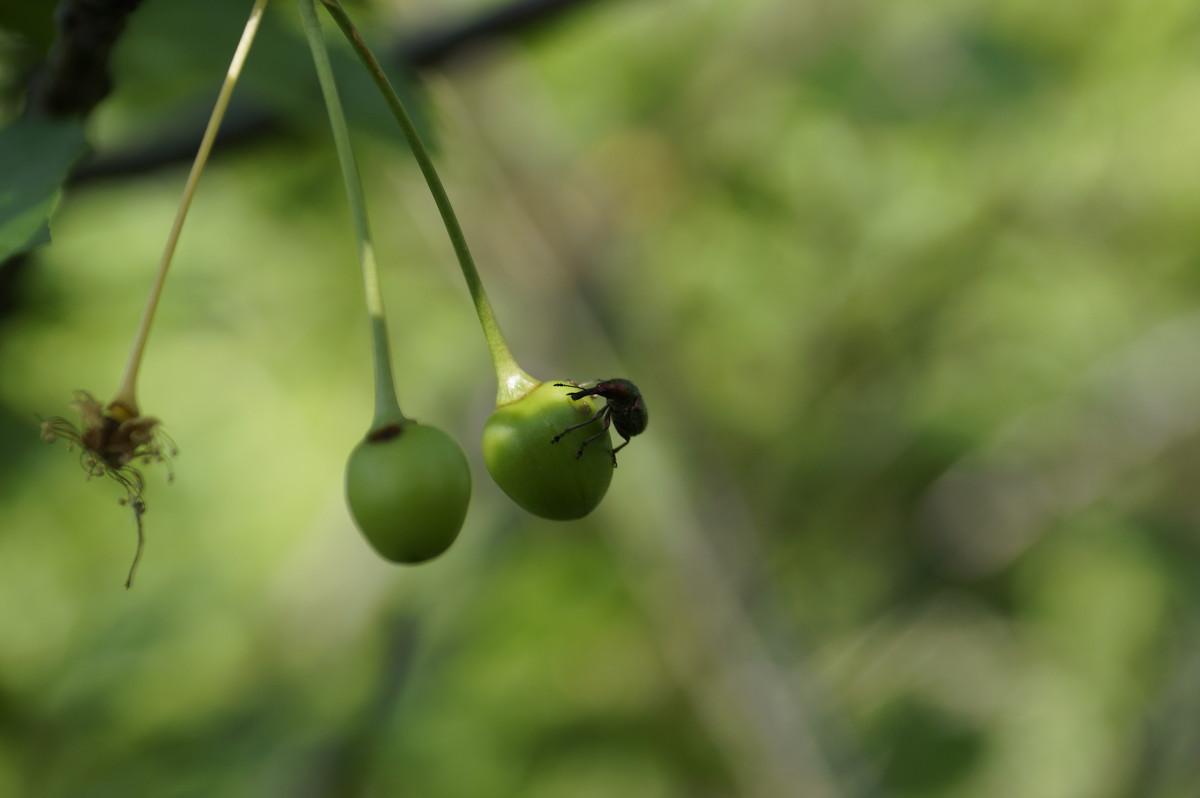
(625, 409)
(548, 481)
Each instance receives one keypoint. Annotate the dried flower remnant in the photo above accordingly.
(112, 443)
(115, 440)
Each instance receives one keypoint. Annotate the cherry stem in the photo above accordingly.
(387, 406)
(126, 399)
(513, 381)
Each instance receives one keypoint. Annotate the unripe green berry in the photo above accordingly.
(408, 487)
(548, 479)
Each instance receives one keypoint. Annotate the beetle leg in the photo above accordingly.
(619, 448)
(604, 429)
(601, 412)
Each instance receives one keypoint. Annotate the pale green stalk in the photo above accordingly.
(126, 399)
(513, 381)
(387, 408)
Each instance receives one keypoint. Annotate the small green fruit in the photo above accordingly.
(545, 478)
(408, 487)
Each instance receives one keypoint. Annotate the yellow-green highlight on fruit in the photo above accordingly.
(542, 477)
(408, 486)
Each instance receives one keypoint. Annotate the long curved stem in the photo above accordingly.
(512, 379)
(126, 399)
(387, 407)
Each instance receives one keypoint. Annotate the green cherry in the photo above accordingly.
(408, 486)
(548, 479)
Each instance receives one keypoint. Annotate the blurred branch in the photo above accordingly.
(73, 80)
(422, 51)
(768, 716)
(340, 765)
(75, 77)
(1064, 455)
(433, 47)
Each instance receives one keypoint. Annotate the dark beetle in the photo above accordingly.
(625, 410)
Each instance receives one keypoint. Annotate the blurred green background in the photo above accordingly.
(912, 292)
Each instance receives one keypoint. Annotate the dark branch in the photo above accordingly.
(434, 47)
(75, 77)
(423, 51)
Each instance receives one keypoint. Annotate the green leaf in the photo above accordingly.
(36, 156)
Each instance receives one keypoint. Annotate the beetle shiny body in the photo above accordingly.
(624, 409)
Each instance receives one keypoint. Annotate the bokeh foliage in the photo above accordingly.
(911, 290)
